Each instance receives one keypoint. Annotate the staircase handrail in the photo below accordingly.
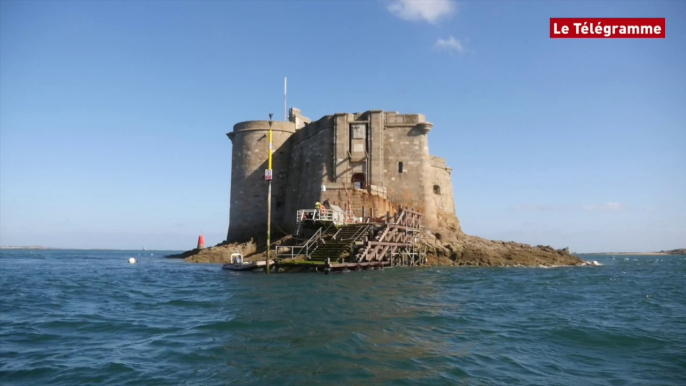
(312, 240)
(359, 233)
(400, 218)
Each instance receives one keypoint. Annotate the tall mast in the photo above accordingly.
(268, 176)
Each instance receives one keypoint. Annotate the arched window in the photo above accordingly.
(437, 189)
(359, 181)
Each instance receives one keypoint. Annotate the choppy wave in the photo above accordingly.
(89, 317)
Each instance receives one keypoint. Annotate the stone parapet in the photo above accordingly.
(288, 127)
(438, 162)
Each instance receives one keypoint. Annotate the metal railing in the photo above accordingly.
(310, 243)
(359, 233)
(325, 215)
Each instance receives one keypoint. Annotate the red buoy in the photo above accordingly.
(201, 242)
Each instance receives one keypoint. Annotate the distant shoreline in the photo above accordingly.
(37, 248)
(680, 251)
(630, 253)
(61, 249)
(30, 247)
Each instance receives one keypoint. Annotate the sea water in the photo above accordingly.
(90, 317)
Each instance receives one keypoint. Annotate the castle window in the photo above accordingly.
(400, 167)
(437, 189)
(359, 181)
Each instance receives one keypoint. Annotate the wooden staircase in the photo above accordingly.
(393, 236)
(361, 246)
(341, 243)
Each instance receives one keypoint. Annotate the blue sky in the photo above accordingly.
(113, 114)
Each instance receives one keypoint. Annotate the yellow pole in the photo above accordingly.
(270, 146)
(269, 196)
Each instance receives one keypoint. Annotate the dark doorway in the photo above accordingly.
(359, 181)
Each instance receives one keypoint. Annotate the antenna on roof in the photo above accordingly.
(285, 117)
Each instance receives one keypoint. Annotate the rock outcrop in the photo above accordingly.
(218, 254)
(450, 248)
(221, 253)
(680, 251)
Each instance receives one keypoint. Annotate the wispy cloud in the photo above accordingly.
(450, 44)
(537, 208)
(422, 10)
(606, 207)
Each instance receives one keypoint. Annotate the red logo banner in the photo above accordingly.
(607, 28)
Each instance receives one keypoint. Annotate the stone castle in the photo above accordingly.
(369, 163)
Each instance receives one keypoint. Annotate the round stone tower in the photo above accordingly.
(429, 208)
(248, 211)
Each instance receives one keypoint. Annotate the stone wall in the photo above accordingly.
(361, 202)
(442, 189)
(407, 164)
(349, 152)
(295, 116)
(385, 152)
(311, 165)
(248, 211)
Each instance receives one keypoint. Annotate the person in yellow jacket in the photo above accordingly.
(317, 205)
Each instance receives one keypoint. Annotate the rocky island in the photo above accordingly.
(372, 168)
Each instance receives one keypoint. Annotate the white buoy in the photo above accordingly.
(132, 260)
